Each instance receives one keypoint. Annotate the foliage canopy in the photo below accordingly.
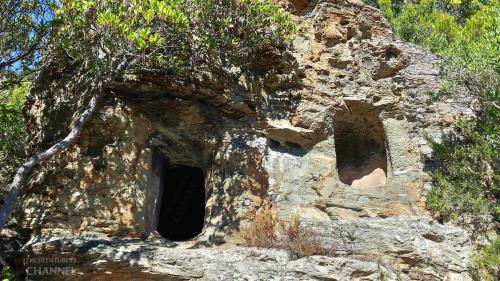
(24, 26)
(174, 35)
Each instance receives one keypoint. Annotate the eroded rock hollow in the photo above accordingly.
(360, 147)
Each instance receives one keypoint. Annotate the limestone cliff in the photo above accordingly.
(335, 131)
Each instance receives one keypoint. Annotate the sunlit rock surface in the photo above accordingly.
(268, 139)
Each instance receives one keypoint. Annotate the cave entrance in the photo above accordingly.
(360, 147)
(182, 206)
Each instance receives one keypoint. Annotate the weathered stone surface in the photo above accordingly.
(139, 260)
(263, 140)
(414, 248)
(420, 247)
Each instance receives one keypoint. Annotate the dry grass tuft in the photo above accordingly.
(269, 231)
(262, 232)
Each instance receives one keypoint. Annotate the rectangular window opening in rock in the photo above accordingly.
(178, 209)
(360, 147)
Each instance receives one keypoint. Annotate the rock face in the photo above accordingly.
(334, 131)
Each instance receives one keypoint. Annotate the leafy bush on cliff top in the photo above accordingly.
(465, 31)
(175, 35)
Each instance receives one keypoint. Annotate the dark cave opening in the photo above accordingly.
(360, 148)
(182, 206)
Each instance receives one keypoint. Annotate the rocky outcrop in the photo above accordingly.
(151, 261)
(409, 248)
(268, 139)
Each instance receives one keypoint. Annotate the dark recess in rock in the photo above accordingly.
(360, 145)
(182, 204)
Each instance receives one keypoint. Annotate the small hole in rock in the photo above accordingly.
(391, 53)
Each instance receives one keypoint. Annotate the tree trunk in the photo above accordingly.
(23, 171)
(118, 64)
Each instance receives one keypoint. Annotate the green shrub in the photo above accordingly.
(487, 261)
(7, 274)
(12, 133)
(467, 181)
(174, 35)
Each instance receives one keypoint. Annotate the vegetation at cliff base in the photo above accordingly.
(267, 230)
(6, 274)
(487, 261)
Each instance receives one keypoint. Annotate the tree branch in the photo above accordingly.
(96, 91)
(19, 57)
(25, 168)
